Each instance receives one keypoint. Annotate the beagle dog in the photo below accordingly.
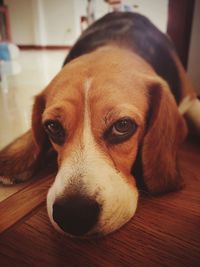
(113, 116)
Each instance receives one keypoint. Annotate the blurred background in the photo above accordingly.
(50, 22)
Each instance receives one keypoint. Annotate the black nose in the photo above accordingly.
(76, 215)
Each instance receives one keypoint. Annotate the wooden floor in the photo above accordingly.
(164, 232)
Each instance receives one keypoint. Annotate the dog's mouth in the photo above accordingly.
(82, 217)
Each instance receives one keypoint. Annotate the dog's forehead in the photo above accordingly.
(109, 75)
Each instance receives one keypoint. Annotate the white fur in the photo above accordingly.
(185, 104)
(22, 177)
(194, 114)
(6, 180)
(89, 169)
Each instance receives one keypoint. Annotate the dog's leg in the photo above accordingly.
(190, 108)
(19, 160)
(193, 115)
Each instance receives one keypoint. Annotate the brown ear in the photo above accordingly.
(165, 132)
(20, 159)
(40, 138)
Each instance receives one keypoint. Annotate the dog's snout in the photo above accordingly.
(76, 215)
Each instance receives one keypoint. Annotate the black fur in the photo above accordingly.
(136, 32)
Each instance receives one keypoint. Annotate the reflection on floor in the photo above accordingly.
(17, 93)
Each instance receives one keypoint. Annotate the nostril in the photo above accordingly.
(76, 215)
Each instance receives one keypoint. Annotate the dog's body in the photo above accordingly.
(113, 122)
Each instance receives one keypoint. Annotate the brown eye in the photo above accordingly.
(122, 126)
(55, 131)
(120, 131)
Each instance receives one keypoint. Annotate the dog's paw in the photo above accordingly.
(20, 178)
(6, 180)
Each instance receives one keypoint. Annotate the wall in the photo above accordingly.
(194, 55)
(59, 21)
(21, 21)
(43, 22)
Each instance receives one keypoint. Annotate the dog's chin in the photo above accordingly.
(93, 234)
(105, 226)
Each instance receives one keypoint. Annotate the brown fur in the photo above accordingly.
(19, 158)
(161, 144)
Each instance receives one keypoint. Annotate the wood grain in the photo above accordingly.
(22, 202)
(164, 232)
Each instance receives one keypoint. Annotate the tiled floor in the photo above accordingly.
(17, 92)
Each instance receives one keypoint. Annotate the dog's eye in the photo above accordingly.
(55, 131)
(120, 131)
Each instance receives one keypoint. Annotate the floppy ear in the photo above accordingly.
(165, 131)
(21, 159)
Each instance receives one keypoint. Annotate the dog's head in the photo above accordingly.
(103, 111)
